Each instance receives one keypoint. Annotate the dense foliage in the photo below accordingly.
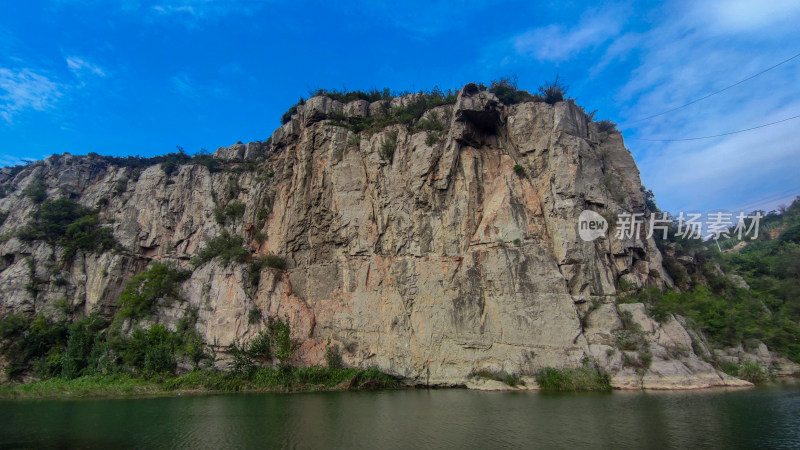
(160, 282)
(506, 91)
(586, 378)
(93, 357)
(768, 312)
(67, 223)
(36, 191)
(227, 247)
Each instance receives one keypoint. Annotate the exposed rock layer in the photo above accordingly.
(457, 253)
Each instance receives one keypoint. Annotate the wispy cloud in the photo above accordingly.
(81, 67)
(680, 51)
(559, 42)
(689, 55)
(191, 13)
(187, 13)
(422, 18)
(24, 89)
(185, 86)
(746, 15)
(9, 160)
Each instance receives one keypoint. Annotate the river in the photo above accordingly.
(767, 417)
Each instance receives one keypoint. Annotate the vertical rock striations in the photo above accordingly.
(430, 252)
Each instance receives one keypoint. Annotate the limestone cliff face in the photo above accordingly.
(430, 257)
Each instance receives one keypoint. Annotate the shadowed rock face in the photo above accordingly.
(438, 262)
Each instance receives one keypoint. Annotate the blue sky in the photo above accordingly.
(138, 77)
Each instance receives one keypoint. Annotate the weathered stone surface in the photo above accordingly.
(357, 109)
(319, 108)
(234, 152)
(431, 264)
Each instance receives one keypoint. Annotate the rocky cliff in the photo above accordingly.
(431, 252)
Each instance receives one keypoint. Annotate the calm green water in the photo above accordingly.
(763, 417)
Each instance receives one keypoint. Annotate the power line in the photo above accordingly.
(758, 205)
(715, 93)
(771, 198)
(717, 135)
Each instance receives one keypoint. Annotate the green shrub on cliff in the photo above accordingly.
(67, 223)
(506, 91)
(285, 346)
(389, 146)
(231, 212)
(159, 282)
(607, 126)
(333, 359)
(554, 91)
(87, 234)
(228, 248)
(36, 191)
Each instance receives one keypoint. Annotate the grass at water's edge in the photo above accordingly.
(571, 380)
(260, 380)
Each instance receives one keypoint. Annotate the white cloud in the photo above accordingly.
(193, 11)
(746, 15)
(421, 18)
(9, 160)
(185, 86)
(678, 52)
(688, 56)
(559, 43)
(188, 13)
(81, 67)
(24, 89)
(191, 89)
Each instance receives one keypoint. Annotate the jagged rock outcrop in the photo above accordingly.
(455, 252)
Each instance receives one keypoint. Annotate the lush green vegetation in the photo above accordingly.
(296, 379)
(159, 282)
(506, 91)
(410, 115)
(207, 161)
(231, 212)
(554, 91)
(749, 371)
(607, 126)
(333, 359)
(261, 380)
(227, 247)
(170, 162)
(258, 264)
(586, 378)
(26, 344)
(92, 357)
(389, 146)
(116, 385)
(36, 191)
(729, 315)
(67, 223)
(273, 261)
